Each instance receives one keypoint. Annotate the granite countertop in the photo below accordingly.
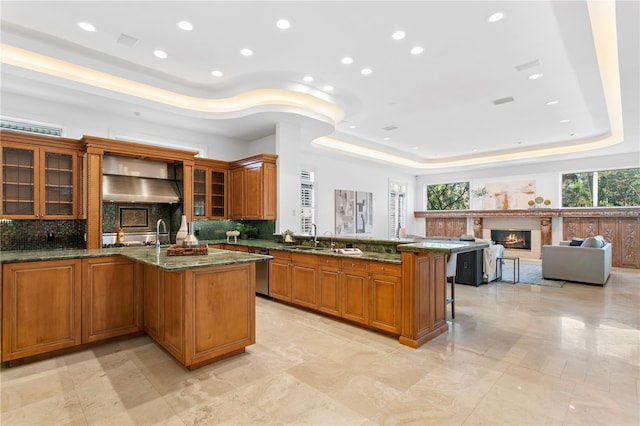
(444, 246)
(146, 255)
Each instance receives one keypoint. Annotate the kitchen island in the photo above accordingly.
(424, 292)
(199, 308)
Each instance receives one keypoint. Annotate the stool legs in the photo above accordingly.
(452, 300)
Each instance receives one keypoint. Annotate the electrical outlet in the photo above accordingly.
(51, 236)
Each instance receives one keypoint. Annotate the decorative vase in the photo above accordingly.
(191, 239)
(182, 232)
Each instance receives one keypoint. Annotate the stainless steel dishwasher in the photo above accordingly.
(262, 272)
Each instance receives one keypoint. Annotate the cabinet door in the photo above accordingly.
(279, 276)
(200, 193)
(329, 289)
(19, 190)
(386, 301)
(218, 194)
(355, 295)
(173, 315)
(153, 301)
(41, 307)
(304, 280)
(111, 298)
(253, 192)
(58, 185)
(238, 194)
(270, 191)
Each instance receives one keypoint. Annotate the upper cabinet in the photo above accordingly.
(40, 177)
(210, 189)
(253, 188)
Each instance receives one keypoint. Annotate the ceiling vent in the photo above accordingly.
(529, 65)
(503, 101)
(389, 128)
(127, 40)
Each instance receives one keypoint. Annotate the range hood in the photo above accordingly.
(131, 180)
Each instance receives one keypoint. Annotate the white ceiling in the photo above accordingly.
(440, 101)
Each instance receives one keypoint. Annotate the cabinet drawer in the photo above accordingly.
(304, 258)
(355, 264)
(385, 268)
(281, 255)
(329, 261)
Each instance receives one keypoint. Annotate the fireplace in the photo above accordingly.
(512, 239)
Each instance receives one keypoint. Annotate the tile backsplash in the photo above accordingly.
(41, 234)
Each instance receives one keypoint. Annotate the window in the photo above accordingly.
(608, 188)
(448, 196)
(397, 208)
(307, 201)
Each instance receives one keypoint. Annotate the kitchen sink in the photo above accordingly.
(307, 248)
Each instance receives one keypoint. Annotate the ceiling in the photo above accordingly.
(467, 99)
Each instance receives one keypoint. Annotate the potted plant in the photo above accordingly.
(246, 230)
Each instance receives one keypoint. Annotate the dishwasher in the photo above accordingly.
(262, 272)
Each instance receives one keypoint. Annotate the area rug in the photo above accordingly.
(529, 274)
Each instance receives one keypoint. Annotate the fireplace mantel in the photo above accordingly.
(436, 214)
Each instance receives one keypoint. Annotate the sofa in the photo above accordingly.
(581, 263)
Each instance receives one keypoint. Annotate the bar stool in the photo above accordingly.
(452, 264)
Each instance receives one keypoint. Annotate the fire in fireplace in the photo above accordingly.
(512, 239)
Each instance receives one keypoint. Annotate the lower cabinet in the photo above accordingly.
(111, 298)
(41, 307)
(365, 292)
(201, 315)
(279, 275)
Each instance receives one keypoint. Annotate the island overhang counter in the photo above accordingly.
(424, 292)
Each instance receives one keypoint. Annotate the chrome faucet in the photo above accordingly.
(164, 229)
(315, 235)
(333, 245)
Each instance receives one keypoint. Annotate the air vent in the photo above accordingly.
(127, 40)
(389, 128)
(503, 100)
(528, 65)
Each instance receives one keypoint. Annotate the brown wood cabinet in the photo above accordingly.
(210, 189)
(41, 307)
(40, 177)
(280, 275)
(201, 315)
(253, 188)
(111, 298)
(369, 293)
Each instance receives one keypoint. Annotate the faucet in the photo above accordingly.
(164, 229)
(333, 245)
(315, 235)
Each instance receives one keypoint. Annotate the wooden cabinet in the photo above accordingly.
(111, 298)
(41, 307)
(253, 188)
(304, 280)
(355, 291)
(201, 315)
(368, 293)
(386, 297)
(40, 177)
(329, 275)
(279, 275)
(210, 189)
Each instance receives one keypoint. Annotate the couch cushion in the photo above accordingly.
(594, 242)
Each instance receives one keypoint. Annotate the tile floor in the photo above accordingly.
(515, 355)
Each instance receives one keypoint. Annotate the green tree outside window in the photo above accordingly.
(609, 188)
(448, 196)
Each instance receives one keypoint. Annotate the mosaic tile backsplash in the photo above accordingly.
(42, 234)
(216, 229)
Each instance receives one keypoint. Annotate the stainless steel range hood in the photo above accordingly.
(131, 180)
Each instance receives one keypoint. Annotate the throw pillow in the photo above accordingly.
(576, 242)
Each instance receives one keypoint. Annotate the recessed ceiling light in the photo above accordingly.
(535, 76)
(217, 73)
(565, 121)
(398, 35)
(347, 60)
(184, 25)
(283, 24)
(353, 126)
(387, 138)
(246, 52)
(417, 50)
(572, 134)
(160, 54)
(137, 113)
(87, 26)
(495, 17)
(414, 147)
(366, 71)
(552, 103)
(308, 78)
(328, 87)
